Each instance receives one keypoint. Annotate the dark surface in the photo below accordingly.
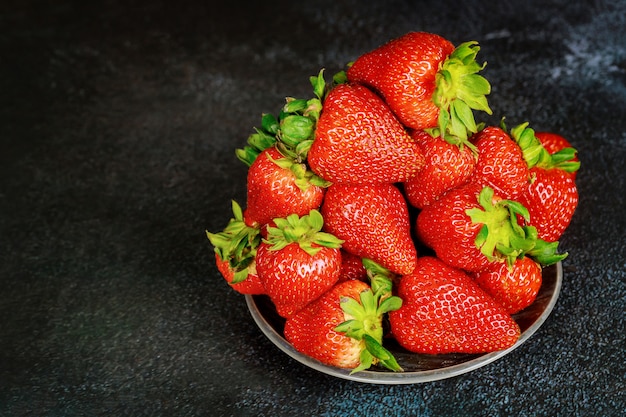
(118, 124)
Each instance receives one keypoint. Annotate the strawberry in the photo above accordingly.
(555, 143)
(444, 310)
(551, 199)
(447, 166)
(250, 285)
(513, 287)
(343, 327)
(500, 164)
(297, 262)
(351, 267)
(358, 140)
(551, 195)
(427, 82)
(278, 186)
(373, 221)
(235, 252)
(470, 227)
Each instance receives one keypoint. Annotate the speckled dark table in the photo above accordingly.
(118, 124)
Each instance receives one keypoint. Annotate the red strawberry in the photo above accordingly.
(298, 262)
(554, 143)
(447, 166)
(250, 285)
(373, 221)
(445, 311)
(470, 227)
(500, 164)
(551, 199)
(359, 140)
(343, 327)
(550, 196)
(513, 287)
(277, 187)
(426, 82)
(235, 251)
(351, 267)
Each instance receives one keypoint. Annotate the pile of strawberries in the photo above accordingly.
(380, 209)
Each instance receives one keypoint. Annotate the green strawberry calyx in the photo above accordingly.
(293, 131)
(536, 155)
(459, 91)
(304, 176)
(546, 253)
(292, 134)
(237, 244)
(364, 321)
(381, 279)
(263, 138)
(502, 238)
(306, 231)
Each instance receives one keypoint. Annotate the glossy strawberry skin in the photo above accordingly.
(311, 330)
(351, 267)
(403, 73)
(553, 143)
(273, 193)
(447, 166)
(251, 285)
(445, 227)
(551, 199)
(292, 278)
(445, 311)
(373, 221)
(513, 288)
(359, 140)
(500, 164)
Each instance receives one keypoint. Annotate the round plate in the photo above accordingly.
(417, 367)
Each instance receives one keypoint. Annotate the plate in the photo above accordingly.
(418, 368)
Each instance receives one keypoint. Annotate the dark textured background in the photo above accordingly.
(118, 124)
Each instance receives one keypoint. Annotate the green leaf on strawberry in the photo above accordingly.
(501, 236)
(459, 91)
(536, 155)
(545, 253)
(340, 77)
(304, 176)
(306, 231)
(366, 321)
(565, 160)
(237, 244)
(294, 130)
(257, 142)
(319, 85)
(500, 233)
(366, 324)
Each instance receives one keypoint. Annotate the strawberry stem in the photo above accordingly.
(381, 279)
(460, 90)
